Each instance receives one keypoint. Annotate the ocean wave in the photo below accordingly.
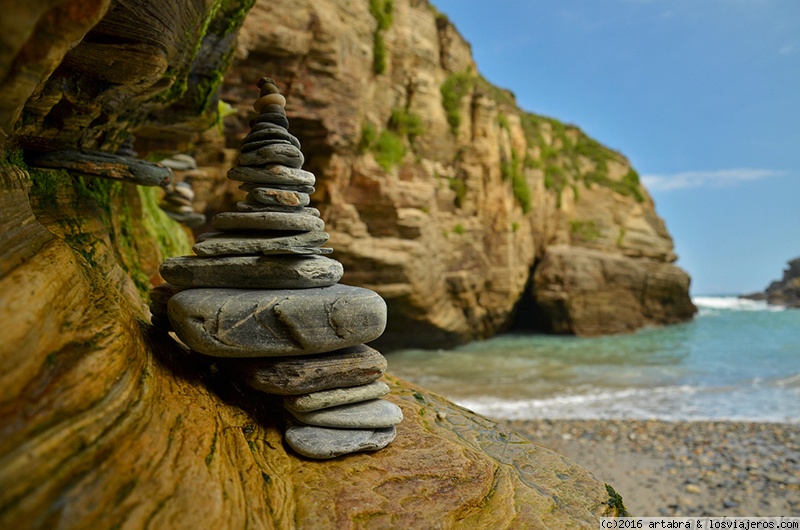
(712, 304)
(670, 403)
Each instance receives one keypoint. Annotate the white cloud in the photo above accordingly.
(696, 179)
(787, 49)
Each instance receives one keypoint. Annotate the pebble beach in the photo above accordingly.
(684, 468)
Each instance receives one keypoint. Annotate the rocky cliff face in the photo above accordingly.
(466, 214)
(107, 422)
(786, 291)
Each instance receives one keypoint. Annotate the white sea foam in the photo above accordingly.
(669, 403)
(711, 304)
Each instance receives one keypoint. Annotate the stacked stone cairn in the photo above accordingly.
(262, 290)
(179, 196)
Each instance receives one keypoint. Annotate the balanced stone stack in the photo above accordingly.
(262, 290)
(179, 196)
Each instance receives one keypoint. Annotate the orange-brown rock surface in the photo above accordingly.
(107, 422)
(438, 191)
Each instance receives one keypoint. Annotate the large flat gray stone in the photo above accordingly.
(322, 443)
(268, 323)
(284, 154)
(250, 186)
(354, 366)
(297, 222)
(268, 133)
(373, 414)
(221, 244)
(243, 206)
(335, 397)
(272, 174)
(278, 197)
(252, 272)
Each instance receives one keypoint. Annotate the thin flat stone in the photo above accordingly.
(106, 165)
(287, 155)
(180, 162)
(252, 272)
(304, 251)
(250, 186)
(227, 221)
(220, 244)
(178, 200)
(252, 146)
(321, 443)
(269, 323)
(190, 219)
(270, 132)
(355, 366)
(244, 206)
(335, 397)
(276, 197)
(373, 414)
(270, 117)
(272, 174)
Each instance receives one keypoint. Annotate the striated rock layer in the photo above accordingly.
(439, 193)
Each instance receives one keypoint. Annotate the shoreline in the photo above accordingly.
(683, 468)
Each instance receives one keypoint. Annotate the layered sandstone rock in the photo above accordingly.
(438, 191)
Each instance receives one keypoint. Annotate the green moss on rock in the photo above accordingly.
(454, 88)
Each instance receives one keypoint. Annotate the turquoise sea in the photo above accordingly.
(737, 360)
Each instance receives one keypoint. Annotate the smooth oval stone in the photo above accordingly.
(269, 88)
(335, 397)
(264, 80)
(252, 272)
(267, 221)
(373, 414)
(220, 244)
(273, 174)
(348, 367)
(269, 99)
(258, 207)
(274, 108)
(277, 118)
(322, 443)
(268, 323)
(278, 197)
(180, 162)
(287, 155)
(270, 132)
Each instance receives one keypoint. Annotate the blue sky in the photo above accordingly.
(703, 96)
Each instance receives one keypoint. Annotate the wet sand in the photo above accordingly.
(683, 468)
